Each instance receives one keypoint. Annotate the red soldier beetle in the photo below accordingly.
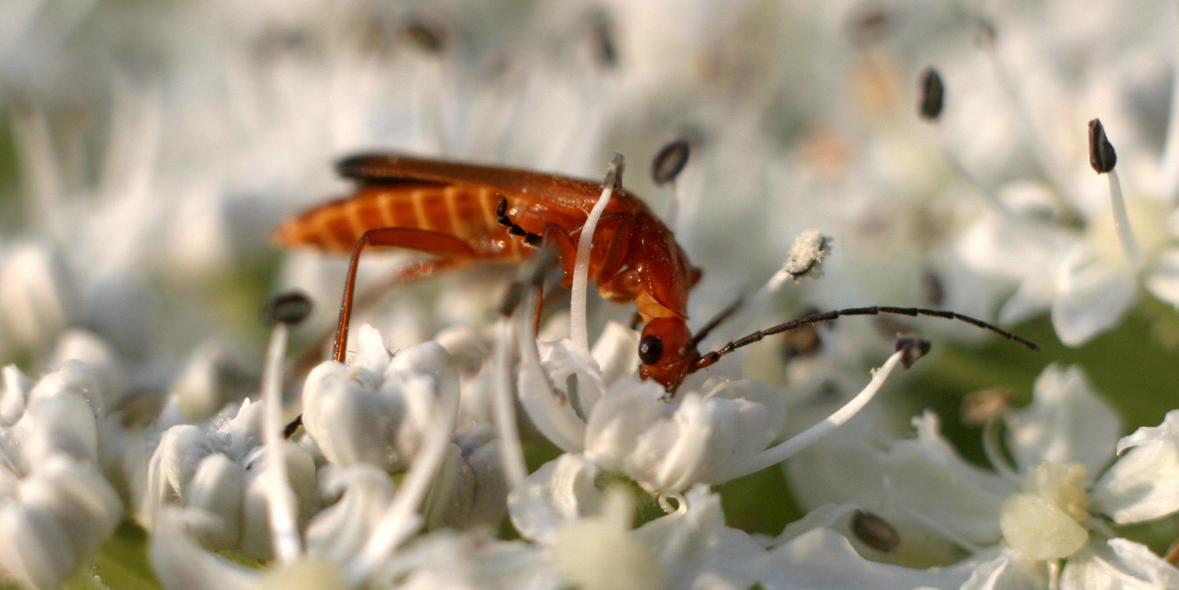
(464, 213)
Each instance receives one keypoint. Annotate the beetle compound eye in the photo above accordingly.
(650, 350)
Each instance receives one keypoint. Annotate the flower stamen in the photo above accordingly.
(578, 332)
(282, 310)
(1103, 158)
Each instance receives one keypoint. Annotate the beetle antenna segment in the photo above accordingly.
(725, 314)
(712, 357)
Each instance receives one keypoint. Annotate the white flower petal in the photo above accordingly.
(445, 559)
(351, 423)
(74, 377)
(55, 517)
(1143, 484)
(920, 482)
(99, 356)
(202, 386)
(695, 438)
(825, 559)
(471, 489)
(616, 422)
(1091, 296)
(560, 491)
(1164, 281)
(1007, 572)
(552, 413)
(341, 530)
(34, 550)
(62, 424)
(1118, 564)
(172, 467)
(15, 395)
(217, 488)
(1067, 422)
(181, 563)
(34, 295)
(563, 360)
(256, 536)
(581, 547)
(614, 352)
(694, 544)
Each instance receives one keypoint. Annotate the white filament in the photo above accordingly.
(511, 451)
(1122, 221)
(281, 507)
(578, 332)
(806, 438)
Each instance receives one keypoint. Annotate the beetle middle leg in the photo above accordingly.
(452, 250)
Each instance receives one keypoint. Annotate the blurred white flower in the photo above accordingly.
(55, 505)
(157, 146)
(585, 528)
(1044, 509)
(218, 470)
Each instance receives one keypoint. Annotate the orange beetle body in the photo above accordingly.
(449, 210)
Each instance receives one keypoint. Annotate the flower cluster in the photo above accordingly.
(945, 160)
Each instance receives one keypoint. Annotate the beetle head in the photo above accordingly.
(666, 352)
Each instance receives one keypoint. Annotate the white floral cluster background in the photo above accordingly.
(148, 150)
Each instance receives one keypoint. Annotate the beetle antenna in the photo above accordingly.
(706, 360)
(725, 314)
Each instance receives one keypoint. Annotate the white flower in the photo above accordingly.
(588, 534)
(354, 540)
(1052, 232)
(725, 430)
(362, 412)
(1141, 484)
(54, 517)
(55, 505)
(1042, 508)
(219, 471)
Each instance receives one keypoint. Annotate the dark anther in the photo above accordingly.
(913, 348)
(292, 427)
(1102, 156)
(650, 350)
(615, 170)
(933, 94)
(290, 307)
(874, 531)
(669, 162)
(603, 37)
(425, 36)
